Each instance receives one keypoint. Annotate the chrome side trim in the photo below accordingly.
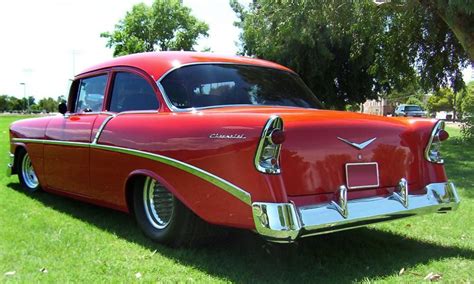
(276, 221)
(439, 125)
(101, 128)
(223, 184)
(209, 177)
(10, 165)
(50, 142)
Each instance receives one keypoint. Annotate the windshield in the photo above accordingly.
(413, 108)
(206, 85)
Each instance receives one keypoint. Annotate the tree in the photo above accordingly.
(4, 103)
(411, 91)
(445, 100)
(166, 25)
(351, 51)
(467, 107)
(413, 100)
(459, 16)
(48, 105)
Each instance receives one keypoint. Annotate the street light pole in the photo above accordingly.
(24, 94)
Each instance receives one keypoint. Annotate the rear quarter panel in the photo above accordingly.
(186, 137)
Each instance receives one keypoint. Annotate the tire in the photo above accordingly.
(26, 174)
(161, 216)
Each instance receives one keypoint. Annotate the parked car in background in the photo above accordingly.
(182, 138)
(410, 110)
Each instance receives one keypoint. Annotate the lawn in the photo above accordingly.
(46, 238)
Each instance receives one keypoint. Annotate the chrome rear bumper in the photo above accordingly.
(284, 222)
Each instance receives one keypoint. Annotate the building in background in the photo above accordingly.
(380, 107)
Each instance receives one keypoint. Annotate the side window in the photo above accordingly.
(132, 92)
(90, 96)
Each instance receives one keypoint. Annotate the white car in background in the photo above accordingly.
(410, 110)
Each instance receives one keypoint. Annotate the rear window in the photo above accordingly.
(413, 108)
(207, 85)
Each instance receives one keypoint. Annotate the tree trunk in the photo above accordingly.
(460, 22)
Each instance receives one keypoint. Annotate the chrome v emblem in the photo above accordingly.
(358, 146)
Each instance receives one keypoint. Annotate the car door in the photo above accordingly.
(66, 160)
(130, 92)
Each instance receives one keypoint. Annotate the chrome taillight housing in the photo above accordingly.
(267, 158)
(433, 149)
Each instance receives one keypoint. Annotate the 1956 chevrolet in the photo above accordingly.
(180, 137)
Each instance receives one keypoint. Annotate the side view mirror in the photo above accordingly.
(62, 108)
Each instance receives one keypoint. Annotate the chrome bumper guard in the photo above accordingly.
(284, 222)
(10, 165)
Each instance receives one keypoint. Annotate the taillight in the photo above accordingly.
(268, 151)
(433, 149)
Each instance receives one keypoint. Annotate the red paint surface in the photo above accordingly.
(312, 158)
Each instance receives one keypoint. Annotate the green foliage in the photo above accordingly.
(467, 107)
(459, 15)
(13, 104)
(351, 51)
(165, 25)
(443, 100)
(402, 95)
(48, 105)
(414, 101)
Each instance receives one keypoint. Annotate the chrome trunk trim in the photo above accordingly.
(284, 222)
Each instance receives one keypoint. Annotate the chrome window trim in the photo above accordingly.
(175, 109)
(438, 126)
(219, 182)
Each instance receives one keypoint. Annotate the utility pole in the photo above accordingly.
(24, 94)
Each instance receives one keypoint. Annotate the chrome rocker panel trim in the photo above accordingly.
(284, 222)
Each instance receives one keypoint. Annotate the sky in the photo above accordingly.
(44, 43)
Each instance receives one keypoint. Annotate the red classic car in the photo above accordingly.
(180, 137)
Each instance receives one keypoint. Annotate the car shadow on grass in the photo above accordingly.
(245, 257)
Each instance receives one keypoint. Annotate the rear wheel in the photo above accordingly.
(26, 173)
(160, 215)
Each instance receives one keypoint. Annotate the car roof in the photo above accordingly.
(156, 64)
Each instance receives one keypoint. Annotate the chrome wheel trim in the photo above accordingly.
(28, 173)
(158, 203)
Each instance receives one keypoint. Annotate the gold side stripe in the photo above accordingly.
(230, 188)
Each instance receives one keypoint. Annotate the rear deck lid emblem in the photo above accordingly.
(358, 146)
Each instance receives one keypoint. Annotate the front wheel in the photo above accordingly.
(26, 173)
(160, 215)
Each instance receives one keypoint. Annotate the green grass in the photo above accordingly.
(77, 242)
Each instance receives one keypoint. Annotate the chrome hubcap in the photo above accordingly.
(28, 172)
(158, 203)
